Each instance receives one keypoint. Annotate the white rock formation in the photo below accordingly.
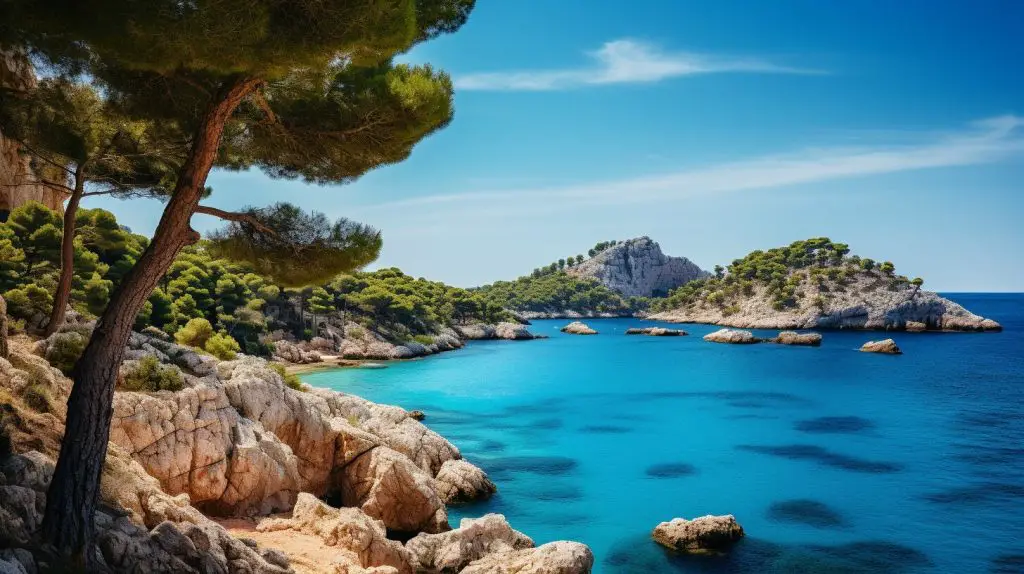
(460, 482)
(450, 552)
(700, 535)
(885, 347)
(656, 332)
(504, 330)
(578, 328)
(794, 338)
(637, 267)
(553, 558)
(733, 336)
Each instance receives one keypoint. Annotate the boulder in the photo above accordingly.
(733, 336)
(578, 328)
(503, 330)
(794, 338)
(512, 332)
(656, 332)
(885, 346)
(459, 482)
(707, 534)
(450, 552)
(387, 486)
(361, 541)
(552, 558)
(916, 327)
(289, 352)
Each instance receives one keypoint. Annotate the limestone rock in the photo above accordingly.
(794, 338)
(578, 328)
(733, 336)
(700, 535)
(656, 332)
(503, 330)
(885, 346)
(291, 353)
(553, 558)
(361, 540)
(450, 552)
(916, 327)
(638, 268)
(387, 486)
(459, 482)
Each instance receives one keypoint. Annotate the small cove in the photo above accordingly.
(832, 460)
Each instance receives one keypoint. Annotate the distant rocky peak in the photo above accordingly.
(637, 267)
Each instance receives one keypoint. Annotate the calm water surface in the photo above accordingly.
(831, 459)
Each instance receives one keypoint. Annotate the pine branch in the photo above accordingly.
(236, 217)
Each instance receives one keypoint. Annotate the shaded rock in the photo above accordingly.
(578, 328)
(707, 534)
(450, 552)
(460, 482)
(360, 540)
(656, 332)
(637, 267)
(417, 415)
(885, 346)
(289, 352)
(794, 338)
(733, 336)
(552, 558)
(387, 486)
(915, 327)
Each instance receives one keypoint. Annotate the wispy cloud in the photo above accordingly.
(986, 141)
(621, 62)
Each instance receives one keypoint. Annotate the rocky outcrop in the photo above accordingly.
(19, 176)
(794, 338)
(288, 352)
(707, 534)
(504, 330)
(571, 314)
(868, 301)
(656, 332)
(359, 541)
(460, 482)
(885, 347)
(552, 558)
(578, 328)
(732, 336)
(638, 268)
(474, 539)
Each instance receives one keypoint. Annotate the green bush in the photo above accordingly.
(65, 350)
(290, 379)
(37, 397)
(149, 375)
(423, 339)
(195, 333)
(222, 346)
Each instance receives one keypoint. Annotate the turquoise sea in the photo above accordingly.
(832, 460)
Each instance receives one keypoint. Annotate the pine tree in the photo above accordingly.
(306, 89)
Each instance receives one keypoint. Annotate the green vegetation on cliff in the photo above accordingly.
(557, 292)
(785, 273)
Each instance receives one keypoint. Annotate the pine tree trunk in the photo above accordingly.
(4, 350)
(67, 256)
(71, 499)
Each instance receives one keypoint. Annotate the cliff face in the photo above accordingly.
(19, 180)
(637, 267)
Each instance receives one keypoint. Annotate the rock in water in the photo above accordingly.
(638, 268)
(472, 540)
(578, 328)
(794, 338)
(552, 558)
(707, 534)
(460, 482)
(656, 332)
(733, 336)
(885, 346)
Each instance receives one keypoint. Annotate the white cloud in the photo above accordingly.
(986, 141)
(620, 62)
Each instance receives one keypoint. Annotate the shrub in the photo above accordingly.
(291, 380)
(730, 310)
(423, 339)
(37, 397)
(64, 351)
(222, 346)
(150, 375)
(195, 333)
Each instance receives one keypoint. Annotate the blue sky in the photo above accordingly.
(715, 128)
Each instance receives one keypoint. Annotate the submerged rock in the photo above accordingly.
(794, 338)
(656, 331)
(707, 534)
(885, 346)
(578, 328)
(733, 336)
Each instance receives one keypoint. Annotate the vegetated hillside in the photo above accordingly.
(554, 293)
(241, 308)
(814, 284)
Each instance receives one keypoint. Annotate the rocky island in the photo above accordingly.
(815, 284)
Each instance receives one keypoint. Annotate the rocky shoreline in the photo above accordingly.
(237, 442)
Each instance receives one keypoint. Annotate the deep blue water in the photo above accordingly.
(831, 459)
